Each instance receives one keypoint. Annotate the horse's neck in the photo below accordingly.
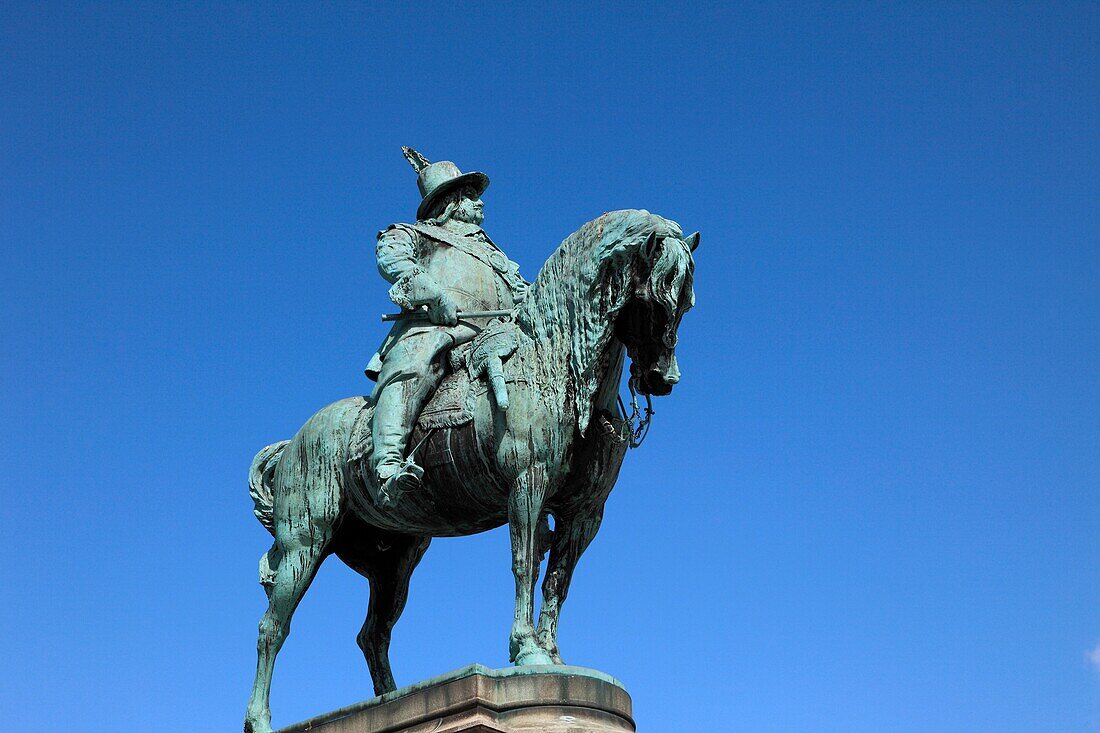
(551, 317)
(607, 393)
(545, 358)
(570, 318)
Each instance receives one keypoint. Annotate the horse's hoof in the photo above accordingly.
(533, 657)
(256, 726)
(551, 648)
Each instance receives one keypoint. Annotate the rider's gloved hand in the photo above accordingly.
(443, 311)
(416, 288)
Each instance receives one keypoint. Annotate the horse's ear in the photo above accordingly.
(649, 249)
(692, 241)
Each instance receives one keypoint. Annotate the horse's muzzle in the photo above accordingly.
(659, 381)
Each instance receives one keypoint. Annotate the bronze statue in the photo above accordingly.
(513, 417)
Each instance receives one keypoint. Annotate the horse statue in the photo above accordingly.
(551, 447)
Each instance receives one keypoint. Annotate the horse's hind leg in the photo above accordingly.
(544, 536)
(387, 561)
(571, 538)
(300, 546)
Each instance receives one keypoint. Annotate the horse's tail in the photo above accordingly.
(259, 483)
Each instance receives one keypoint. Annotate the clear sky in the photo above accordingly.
(870, 505)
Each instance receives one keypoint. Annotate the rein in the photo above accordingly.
(635, 425)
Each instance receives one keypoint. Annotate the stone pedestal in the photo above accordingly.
(477, 699)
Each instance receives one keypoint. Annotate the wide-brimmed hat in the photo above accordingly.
(438, 179)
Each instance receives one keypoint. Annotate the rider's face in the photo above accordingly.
(470, 209)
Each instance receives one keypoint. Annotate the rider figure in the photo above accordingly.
(446, 263)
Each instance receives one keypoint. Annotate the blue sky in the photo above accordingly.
(870, 505)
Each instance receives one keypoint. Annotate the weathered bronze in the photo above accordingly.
(475, 422)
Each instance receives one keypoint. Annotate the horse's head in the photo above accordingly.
(662, 293)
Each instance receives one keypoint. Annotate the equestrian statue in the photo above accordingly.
(495, 402)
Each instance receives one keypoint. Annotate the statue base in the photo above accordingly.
(476, 699)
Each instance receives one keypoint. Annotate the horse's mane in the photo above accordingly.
(573, 302)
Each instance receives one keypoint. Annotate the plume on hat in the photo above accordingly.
(416, 160)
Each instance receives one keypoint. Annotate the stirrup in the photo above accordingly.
(407, 478)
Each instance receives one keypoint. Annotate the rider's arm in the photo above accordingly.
(412, 285)
(520, 287)
(396, 253)
(517, 283)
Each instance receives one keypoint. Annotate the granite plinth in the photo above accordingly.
(477, 699)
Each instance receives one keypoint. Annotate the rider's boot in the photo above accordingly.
(395, 412)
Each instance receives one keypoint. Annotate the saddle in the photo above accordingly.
(476, 366)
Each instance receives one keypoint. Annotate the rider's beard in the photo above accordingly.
(467, 213)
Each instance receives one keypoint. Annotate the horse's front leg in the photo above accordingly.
(524, 511)
(571, 538)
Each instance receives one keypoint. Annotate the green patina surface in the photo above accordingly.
(474, 422)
